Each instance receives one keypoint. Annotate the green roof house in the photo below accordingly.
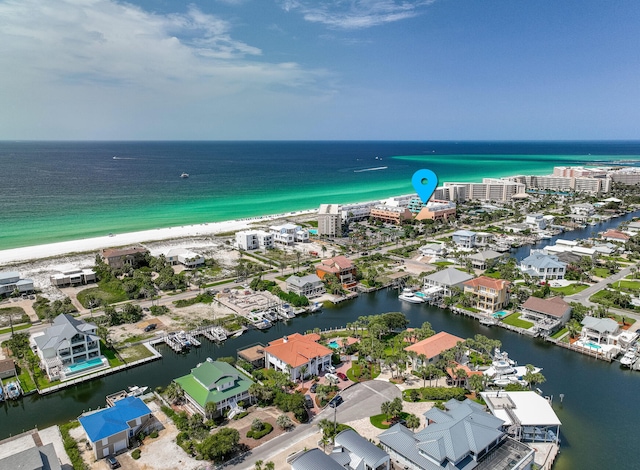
(215, 381)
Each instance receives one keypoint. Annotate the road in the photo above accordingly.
(360, 401)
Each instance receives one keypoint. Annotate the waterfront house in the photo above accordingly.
(329, 220)
(488, 294)
(354, 452)
(341, 267)
(484, 238)
(38, 457)
(536, 221)
(527, 416)
(254, 239)
(117, 258)
(464, 238)
(437, 210)
(615, 236)
(461, 437)
(482, 259)
(543, 267)
(429, 350)
(110, 430)
(548, 314)
(7, 368)
(185, 257)
(606, 332)
(11, 283)
(73, 277)
(297, 354)
(218, 382)
(310, 285)
(390, 214)
(66, 342)
(446, 280)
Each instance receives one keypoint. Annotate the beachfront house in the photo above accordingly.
(110, 430)
(297, 355)
(287, 234)
(543, 267)
(339, 266)
(463, 436)
(117, 258)
(487, 294)
(254, 239)
(185, 257)
(10, 284)
(548, 314)
(615, 236)
(329, 220)
(310, 285)
(485, 258)
(446, 280)
(429, 350)
(218, 382)
(68, 347)
(464, 238)
(73, 277)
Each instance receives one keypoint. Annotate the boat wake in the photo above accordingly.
(371, 169)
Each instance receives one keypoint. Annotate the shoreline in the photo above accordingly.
(85, 245)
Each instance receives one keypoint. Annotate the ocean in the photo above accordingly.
(59, 191)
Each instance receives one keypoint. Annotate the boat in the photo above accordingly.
(629, 358)
(13, 390)
(239, 333)
(219, 334)
(285, 312)
(135, 391)
(316, 307)
(489, 321)
(184, 175)
(409, 296)
(504, 371)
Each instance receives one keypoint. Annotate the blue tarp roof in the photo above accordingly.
(113, 420)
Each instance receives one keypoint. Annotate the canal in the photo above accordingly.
(599, 412)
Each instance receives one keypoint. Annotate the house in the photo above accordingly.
(339, 266)
(433, 249)
(7, 368)
(543, 267)
(437, 210)
(584, 210)
(484, 238)
(287, 234)
(446, 279)
(606, 332)
(41, 457)
(390, 214)
(527, 415)
(10, 282)
(254, 239)
(69, 342)
(185, 257)
(117, 258)
(464, 238)
(461, 437)
(549, 314)
(109, 430)
(482, 259)
(488, 294)
(536, 221)
(73, 277)
(298, 355)
(615, 236)
(329, 220)
(215, 381)
(310, 285)
(314, 459)
(354, 452)
(428, 350)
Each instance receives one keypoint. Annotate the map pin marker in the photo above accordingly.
(425, 183)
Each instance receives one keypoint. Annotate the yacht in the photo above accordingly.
(316, 307)
(184, 175)
(13, 390)
(504, 371)
(409, 296)
(629, 358)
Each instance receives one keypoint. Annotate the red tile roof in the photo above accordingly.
(556, 307)
(297, 349)
(615, 234)
(434, 345)
(488, 282)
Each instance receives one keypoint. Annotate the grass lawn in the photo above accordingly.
(12, 311)
(15, 328)
(378, 420)
(570, 289)
(559, 333)
(514, 320)
(110, 354)
(495, 275)
(355, 373)
(26, 382)
(630, 285)
(618, 318)
(442, 263)
(134, 353)
(601, 272)
(108, 292)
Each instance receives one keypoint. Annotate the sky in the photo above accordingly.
(319, 70)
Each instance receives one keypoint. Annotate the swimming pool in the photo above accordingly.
(592, 345)
(313, 231)
(500, 314)
(334, 345)
(82, 366)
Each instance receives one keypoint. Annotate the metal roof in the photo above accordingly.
(358, 445)
(110, 421)
(315, 459)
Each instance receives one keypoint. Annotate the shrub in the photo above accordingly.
(435, 393)
(266, 429)
(135, 455)
(154, 434)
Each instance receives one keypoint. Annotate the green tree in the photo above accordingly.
(413, 422)
(210, 409)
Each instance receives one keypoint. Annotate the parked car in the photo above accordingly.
(313, 387)
(331, 369)
(342, 376)
(336, 401)
(150, 327)
(112, 462)
(308, 401)
(332, 378)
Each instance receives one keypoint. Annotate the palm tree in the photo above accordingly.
(210, 409)
(258, 465)
(269, 466)
(385, 408)
(413, 422)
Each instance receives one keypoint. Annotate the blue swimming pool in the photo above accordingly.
(334, 345)
(84, 365)
(592, 345)
(313, 231)
(500, 314)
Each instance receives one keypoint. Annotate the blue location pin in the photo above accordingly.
(425, 183)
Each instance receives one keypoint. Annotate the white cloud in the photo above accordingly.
(355, 14)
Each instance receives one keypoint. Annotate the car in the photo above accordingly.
(313, 387)
(342, 376)
(150, 327)
(332, 378)
(146, 309)
(336, 401)
(308, 401)
(331, 369)
(112, 462)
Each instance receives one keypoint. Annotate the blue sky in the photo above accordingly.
(319, 69)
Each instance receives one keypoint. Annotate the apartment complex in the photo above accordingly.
(390, 214)
(491, 189)
(329, 220)
(73, 277)
(437, 210)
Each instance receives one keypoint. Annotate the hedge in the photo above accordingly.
(267, 428)
(436, 393)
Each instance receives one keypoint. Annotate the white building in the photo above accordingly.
(73, 277)
(536, 221)
(464, 238)
(184, 257)
(10, 282)
(310, 285)
(329, 220)
(287, 234)
(585, 209)
(298, 355)
(254, 239)
(491, 189)
(361, 211)
(543, 267)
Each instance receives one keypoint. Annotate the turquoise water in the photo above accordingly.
(500, 314)
(592, 345)
(419, 294)
(57, 191)
(81, 366)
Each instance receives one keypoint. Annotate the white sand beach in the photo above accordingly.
(39, 252)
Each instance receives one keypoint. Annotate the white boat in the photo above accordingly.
(184, 175)
(13, 390)
(219, 334)
(316, 307)
(504, 371)
(629, 358)
(285, 312)
(135, 391)
(239, 333)
(489, 321)
(409, 296)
